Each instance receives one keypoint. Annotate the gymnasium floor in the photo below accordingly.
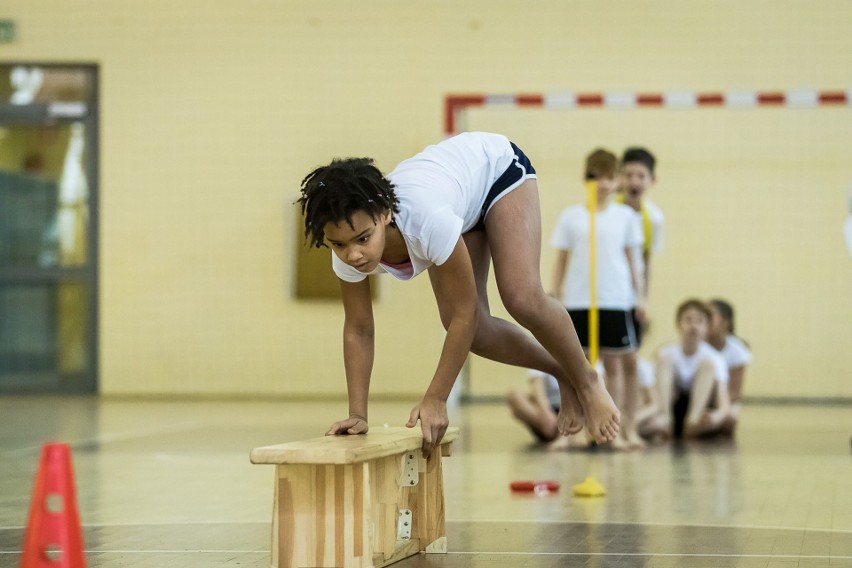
(162, 484)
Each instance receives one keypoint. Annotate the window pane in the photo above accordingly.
(27, 84)
(43, 333)
(44, 196)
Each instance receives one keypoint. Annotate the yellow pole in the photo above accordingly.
(591, 487)
(592, 205)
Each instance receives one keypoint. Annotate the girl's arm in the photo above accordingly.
(723, 399)
(358, 350)
(559, 268)
(455, 292)
(636, 279)
(735, 382)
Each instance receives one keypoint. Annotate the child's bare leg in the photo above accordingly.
(661, 423)
(513, 229)
(699, 419)
(614, 381)
(528, 408)
(630, 401)
(502, 341)
(647, 407)
(729, 426)
(643, 414)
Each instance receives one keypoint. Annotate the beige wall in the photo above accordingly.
(213, 111)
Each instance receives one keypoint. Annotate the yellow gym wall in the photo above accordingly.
(212, 113)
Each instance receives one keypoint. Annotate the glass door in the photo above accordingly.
(48, 228)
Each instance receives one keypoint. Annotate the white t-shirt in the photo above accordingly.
(735, 353)
(686, 366)
(656, 216)
(616, 228)
(645, 371)
(847, 233)
(441, 191)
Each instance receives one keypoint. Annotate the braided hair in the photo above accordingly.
(337, 191)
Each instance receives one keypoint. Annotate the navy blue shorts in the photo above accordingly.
(518, 171)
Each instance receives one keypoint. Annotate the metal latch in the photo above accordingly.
(403, 525)
(410, 475)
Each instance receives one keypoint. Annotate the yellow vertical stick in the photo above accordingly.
(591, 487)
(592, 205)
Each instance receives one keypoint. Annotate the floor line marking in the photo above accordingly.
(490, 553)
(655, 524)
(109, 438)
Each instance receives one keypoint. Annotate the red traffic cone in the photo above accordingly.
(53, 538)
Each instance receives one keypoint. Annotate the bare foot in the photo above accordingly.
(632, 439)
(601, 415)
(570, 420)
(660, 426)
(708, 423)
(579, 441)
(560, 443)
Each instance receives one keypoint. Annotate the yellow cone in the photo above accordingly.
(591, 487)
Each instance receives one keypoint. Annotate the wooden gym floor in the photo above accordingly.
(169, 484)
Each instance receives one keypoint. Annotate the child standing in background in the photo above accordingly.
(733, 350)
(638, 174)
(619, 284)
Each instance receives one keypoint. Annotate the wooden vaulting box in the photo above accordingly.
(356, 501)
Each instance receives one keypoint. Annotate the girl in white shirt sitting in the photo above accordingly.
(733, 349)
(691, 380)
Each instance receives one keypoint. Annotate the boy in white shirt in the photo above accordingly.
(619, 284)
(638, 175)
(691, 380)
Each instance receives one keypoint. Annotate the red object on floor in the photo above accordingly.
(53, 538)
(532, 486)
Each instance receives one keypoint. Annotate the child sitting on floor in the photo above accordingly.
(733, 350)
(691, 381)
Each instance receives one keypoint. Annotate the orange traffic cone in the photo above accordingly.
(53, 538)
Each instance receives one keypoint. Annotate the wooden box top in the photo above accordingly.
(376, 443)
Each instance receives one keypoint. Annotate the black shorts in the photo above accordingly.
(519, 170)
(680, 405)
(637, 327)
(616, 329)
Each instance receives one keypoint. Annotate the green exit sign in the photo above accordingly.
(7, 31)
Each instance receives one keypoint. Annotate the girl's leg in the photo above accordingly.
(661, 423)
(698, 418)
(502, 341)
(614, 381)
(630, 402)
(513, 230)
(612, 378)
